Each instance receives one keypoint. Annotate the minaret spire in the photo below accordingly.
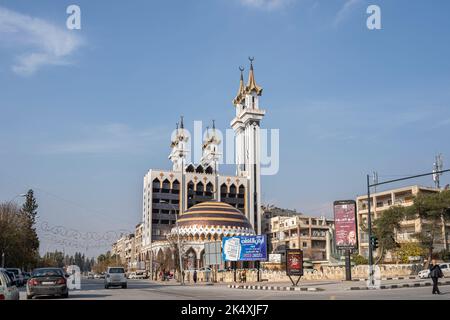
(251, 84)
(241, 91)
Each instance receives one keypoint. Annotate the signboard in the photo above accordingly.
(244, 248)
(346, 230)
(294, 262)
(275, 258)
(213, 253)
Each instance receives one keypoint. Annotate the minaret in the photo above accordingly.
(246, 125)
(211, 155)
(179, 146)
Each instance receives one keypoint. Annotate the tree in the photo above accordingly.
(433, 210)
(30, 206)
(410, 249)
(18, 239)
(385, 227)
(358, 259)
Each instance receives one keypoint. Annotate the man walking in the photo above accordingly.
(435, 273)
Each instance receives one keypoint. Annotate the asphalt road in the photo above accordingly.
(92, 289)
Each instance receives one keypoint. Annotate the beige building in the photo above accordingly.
(311, 234)
(381, 201)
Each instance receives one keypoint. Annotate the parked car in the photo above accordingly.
(26, 277)
(8, 289)
(90, 276)
(115, 276)
(445, 267)
(48, 282)
(136, 275)
(19, 276)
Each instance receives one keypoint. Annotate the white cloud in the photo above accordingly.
(42, 42)
(266, 4)
(346, 10)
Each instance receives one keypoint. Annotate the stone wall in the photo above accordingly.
(326, 273)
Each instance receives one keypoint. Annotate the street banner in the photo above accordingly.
(294, 262)
(244, 248)
(346, 230)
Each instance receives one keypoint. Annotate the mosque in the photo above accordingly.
(194, 203)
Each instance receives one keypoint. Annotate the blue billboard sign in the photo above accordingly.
(244, 248)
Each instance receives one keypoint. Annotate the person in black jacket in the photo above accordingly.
(435, 274)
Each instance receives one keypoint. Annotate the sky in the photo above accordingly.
(86, 113)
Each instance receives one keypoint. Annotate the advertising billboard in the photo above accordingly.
(244, 248)
(346, 230)
(294, 262)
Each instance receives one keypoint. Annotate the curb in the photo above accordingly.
(403, 285)
(389, 278)
(274, 288)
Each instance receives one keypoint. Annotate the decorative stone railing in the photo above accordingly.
(326, 273)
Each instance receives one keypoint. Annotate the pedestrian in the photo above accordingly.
(194, 277)
(435, 274)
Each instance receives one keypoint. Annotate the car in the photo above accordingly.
(115, 276)
(90, 276)
(445, 267)
(48, 282)
(26, 277)
(424, 274)
(136, 275)
(8, 289)
(19, 276)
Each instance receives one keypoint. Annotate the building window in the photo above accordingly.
(305, 244)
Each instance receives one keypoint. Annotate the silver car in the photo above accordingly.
(115, 277)
(8, 289)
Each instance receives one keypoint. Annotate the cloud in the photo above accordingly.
(266, 4)
(109, 138)
(346, 10)
(42, 43)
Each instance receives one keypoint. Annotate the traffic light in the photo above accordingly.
(374, 242)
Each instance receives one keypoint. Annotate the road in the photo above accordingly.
(93, 289)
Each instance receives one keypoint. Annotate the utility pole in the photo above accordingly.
(437, 167)
(369, 227)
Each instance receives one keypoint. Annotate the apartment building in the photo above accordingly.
(381, 201)
(311, 234)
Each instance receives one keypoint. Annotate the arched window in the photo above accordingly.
(209, 189)
(232, 191)
(223, 190)
(241, 193)
(199, 169)
(209, 170)
(166, 186)
(175, 187)
(156, 185)
(190, 168)
(200, 189)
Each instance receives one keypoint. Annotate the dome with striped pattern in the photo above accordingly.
(213, 219)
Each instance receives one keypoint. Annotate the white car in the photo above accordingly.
(115, 277)
(445, 267)
(136, 275)
(8, 290)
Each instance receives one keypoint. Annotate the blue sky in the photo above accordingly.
(85, 113)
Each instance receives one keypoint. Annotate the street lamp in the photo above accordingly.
(178, 240)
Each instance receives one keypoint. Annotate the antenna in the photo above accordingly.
(438, 165)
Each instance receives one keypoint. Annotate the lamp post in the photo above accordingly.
(178, 241)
